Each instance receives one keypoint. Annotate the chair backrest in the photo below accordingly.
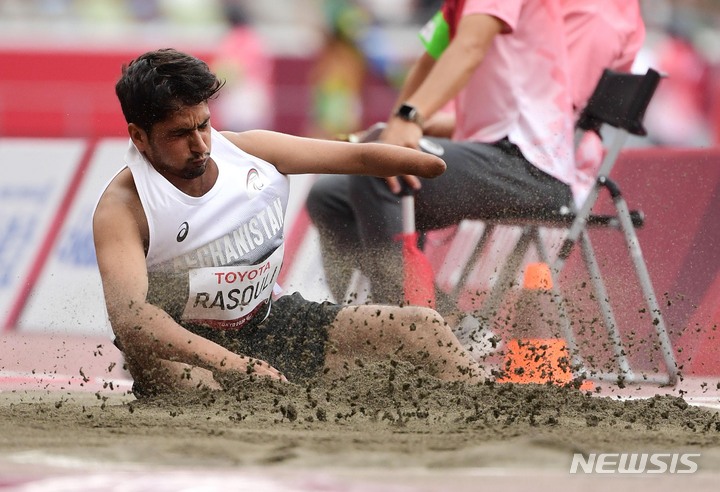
(620, 100)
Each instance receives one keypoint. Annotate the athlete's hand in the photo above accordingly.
(259, 367)
(251, 366)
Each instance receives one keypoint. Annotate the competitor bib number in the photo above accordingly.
(229, 297)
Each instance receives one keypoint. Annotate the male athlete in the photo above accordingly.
(189, 242)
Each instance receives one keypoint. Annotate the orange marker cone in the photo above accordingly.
(537, 354)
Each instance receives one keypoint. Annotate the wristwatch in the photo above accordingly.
(409, 113)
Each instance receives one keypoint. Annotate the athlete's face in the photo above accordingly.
(178, 147)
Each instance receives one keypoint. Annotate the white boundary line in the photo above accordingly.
(14, 380)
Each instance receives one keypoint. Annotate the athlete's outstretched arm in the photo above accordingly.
(299, 155)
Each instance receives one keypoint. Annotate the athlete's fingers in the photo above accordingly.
(262, 368)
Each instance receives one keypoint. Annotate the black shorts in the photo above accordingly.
(292, 338)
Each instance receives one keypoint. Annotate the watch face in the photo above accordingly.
(408, 113)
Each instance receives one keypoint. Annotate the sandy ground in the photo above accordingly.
(68, 422)
(385, 427)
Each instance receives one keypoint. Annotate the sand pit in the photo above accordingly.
(387, 426)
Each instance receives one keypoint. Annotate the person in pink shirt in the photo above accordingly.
(502, 66)
(600, 34)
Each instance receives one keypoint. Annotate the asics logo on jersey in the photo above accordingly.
(183, 232)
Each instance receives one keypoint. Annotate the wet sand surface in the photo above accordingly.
(386, 426)
(69, 422)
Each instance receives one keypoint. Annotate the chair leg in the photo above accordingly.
(578, 232)
(645, 282)
(565, 321)
(508, 273)
(601, 294)
(477, 253)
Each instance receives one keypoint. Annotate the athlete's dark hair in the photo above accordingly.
(158, 83)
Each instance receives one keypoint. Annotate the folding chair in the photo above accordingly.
(619, 101)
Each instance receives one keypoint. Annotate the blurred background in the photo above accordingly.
(312, 67)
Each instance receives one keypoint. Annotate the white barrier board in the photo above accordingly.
(68, 297)
(33, 182)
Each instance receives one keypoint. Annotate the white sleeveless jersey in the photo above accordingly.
(214, 259)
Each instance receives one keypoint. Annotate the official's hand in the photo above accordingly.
(441, 124)
(395, 186)
(403, 133)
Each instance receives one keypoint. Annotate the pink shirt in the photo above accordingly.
(521, 89)
(600, 34)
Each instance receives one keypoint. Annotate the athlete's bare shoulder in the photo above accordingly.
(246, 138)
(120, 195)
(120, 203)
(259, 141)
(121, 189)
